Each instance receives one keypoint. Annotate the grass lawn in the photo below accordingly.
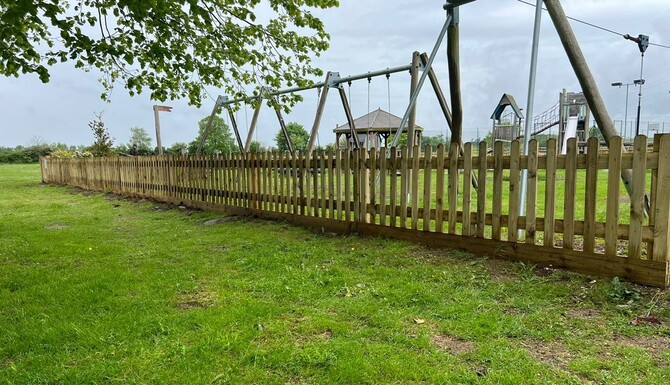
(98, 289)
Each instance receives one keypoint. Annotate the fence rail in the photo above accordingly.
(578, 215)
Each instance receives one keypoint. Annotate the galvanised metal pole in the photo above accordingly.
(531, 99)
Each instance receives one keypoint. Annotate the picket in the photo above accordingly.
(570, 195)
(439, 189)
(482, 168)
(550, 193)
(637, 199)
(531, 193)
(515, 151)
(453, 187)
(467, 189)
(590, 193)
(382, 186)
(427, 195)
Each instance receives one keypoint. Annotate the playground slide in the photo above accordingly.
(570, 132)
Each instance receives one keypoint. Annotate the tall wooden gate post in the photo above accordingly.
(661, 250)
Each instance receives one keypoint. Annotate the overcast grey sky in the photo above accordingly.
(369, 35)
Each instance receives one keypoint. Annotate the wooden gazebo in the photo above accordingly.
(373, 130)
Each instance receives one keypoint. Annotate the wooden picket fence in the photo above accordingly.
(577, 213)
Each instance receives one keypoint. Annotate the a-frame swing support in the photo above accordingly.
(220, 102)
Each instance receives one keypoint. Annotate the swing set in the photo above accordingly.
(419, 63)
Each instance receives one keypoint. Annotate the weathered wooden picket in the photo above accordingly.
(468, 201)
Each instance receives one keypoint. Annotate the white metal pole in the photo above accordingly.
(531, 99)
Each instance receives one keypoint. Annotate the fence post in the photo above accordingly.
(662, 205)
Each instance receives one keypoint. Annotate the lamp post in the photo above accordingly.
(625, 119)
(638, 82)
(620, 84)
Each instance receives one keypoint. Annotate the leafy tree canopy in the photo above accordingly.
(176, 148)
(299, 137)
(171, 47)
(219, 139)
(434, 141)
(256, 146)
(140, 138)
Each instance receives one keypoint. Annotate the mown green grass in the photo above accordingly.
(96, 289)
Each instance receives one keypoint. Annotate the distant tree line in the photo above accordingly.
(220, 140)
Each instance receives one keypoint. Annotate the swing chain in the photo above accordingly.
(388, 93)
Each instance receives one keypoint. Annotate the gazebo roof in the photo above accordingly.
(506, 100)
(376, 121)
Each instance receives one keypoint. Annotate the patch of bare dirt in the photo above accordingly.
(55, 226)
(200, 298)
(453, 345)
(87, 193)
(589, 314)
(655, 346)
(552, 354)
(216, 221)
(322, 336)
(163, 207)
(544, 271)
(6, 363)
(441, 257)
(509, 310)
(500, 271)
(326, 335)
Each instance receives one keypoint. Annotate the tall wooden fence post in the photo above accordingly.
(662, 205)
